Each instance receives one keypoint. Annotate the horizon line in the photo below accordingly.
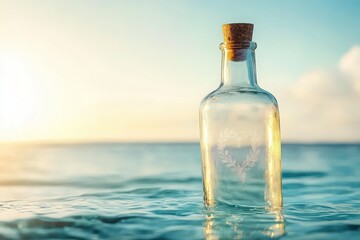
(93, 142)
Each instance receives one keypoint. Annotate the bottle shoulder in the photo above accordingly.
(239, 95)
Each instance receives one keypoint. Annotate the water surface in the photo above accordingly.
(154, 191)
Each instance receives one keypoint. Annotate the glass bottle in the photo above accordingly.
(240, 131)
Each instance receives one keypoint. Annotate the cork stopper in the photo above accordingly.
(237, 32)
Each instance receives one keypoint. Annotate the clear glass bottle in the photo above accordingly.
(240, 131)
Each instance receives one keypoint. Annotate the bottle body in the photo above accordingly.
(241, 151)
(240, 137)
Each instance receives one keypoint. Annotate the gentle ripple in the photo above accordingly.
(154, 191)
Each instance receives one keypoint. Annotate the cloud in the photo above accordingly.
(350, 65)
(324, 105)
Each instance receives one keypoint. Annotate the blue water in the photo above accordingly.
(154, 191)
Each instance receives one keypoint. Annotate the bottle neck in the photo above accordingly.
(238, 65)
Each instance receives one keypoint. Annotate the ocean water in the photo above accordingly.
(154, 191)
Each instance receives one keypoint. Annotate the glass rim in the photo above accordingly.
(238, 45)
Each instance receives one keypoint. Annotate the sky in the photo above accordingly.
(137, 70)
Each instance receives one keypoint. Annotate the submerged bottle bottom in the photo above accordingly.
(243, 222)
(252, 195)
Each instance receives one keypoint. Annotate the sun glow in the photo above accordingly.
(20, 102)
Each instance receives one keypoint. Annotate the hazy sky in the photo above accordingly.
(137, 70)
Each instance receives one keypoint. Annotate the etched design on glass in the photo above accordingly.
(240, 168)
